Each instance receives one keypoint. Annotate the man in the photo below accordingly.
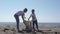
(34, 19)
(20, 13)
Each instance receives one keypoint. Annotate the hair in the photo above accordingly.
(33, 10)
(25, 9)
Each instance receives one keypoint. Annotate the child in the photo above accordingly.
(34, 19)
(16, 15)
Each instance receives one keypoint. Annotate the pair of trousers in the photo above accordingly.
(17, 21)
(35, 23)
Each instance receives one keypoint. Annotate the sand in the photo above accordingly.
(8, 29)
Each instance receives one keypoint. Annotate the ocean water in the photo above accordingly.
(40, 24)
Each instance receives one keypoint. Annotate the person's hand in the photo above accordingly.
(25, 17)
(23, 20)
(28, 18)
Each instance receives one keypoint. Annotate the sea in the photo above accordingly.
(39, 24)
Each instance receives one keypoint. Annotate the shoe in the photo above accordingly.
(20, 31)
(40, 31)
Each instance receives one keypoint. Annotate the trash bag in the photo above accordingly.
(28, 25)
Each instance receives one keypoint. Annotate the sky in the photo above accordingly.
(45, 10)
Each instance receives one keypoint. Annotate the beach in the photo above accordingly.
(9, 29)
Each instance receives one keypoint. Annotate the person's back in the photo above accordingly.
(20, 13)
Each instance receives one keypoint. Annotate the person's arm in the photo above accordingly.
(23, 16)
(29, 17)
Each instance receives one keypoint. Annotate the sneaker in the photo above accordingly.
(20, 31)
(40, 31)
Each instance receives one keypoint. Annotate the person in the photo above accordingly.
(34, 19)
(22, 14)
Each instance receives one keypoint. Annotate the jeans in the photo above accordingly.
(17, 21)
(35, 23)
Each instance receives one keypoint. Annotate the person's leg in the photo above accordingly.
(37, 27)
(33, 26)
(36, 24)
(17, 20)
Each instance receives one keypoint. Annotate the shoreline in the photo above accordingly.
(22, 24)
